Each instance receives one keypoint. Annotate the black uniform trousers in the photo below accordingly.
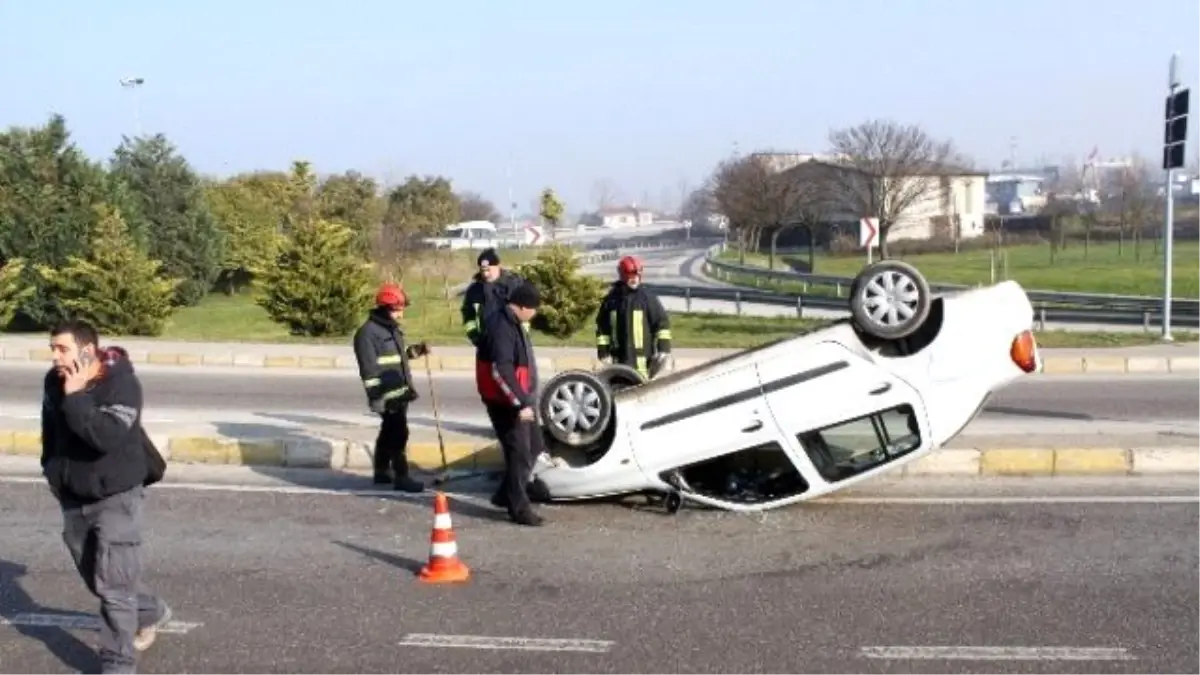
(521, 443)
(391, 445)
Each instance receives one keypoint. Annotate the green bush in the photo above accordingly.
(569, 299)
(117, 287)
(319, 285)
(12, 290)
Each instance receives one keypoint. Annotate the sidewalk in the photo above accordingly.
(1173, 358)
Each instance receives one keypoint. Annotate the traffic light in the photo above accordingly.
(1175, 135)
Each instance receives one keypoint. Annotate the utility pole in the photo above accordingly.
(135, 84)
(1174, 140)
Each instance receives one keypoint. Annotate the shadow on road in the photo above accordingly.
(14, 601)
(402, 562)
(1048, 414)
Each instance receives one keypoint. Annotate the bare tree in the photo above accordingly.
(753, 197)
(475, 207)
(888, 168)
(604, 193)
(1133, 199)
(813, 202)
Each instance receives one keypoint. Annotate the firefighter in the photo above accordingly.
(383, 366)
(507, 381)
(632, 327)
(487, 293)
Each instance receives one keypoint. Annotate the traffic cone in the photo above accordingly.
(443, 567)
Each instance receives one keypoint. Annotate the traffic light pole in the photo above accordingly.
(1174, 142)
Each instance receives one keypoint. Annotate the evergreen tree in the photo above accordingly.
(48, 189)
(169, 196)
(319, 285)
(13, 290)
(569, 299)
(116, 286)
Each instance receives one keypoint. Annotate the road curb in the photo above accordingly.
(1099, 363)
(317, 452)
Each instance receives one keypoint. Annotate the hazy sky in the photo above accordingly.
(645, 94)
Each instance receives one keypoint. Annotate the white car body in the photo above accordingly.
(770, 396)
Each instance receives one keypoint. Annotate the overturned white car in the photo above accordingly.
(799, 417)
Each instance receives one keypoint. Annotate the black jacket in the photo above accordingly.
(383, 361)
(482, 299)
(632, 326)
(505, 365)
(92, 440)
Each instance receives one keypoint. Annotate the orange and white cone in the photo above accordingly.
(444, 566)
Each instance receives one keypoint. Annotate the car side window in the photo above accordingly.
(861, 444)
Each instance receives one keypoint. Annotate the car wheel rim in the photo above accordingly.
(574, 407)
(890, 298)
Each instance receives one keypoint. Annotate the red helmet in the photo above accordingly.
(629, 266)
(391, 295)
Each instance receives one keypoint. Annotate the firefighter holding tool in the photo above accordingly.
(383, 366)
(632, 327)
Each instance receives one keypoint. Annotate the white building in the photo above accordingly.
(952, 198)
(625, 216)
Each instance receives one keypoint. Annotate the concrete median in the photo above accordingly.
(466, 451)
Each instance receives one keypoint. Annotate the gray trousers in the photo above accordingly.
(105, 541)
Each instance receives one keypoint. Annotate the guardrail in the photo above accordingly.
(1050, 306)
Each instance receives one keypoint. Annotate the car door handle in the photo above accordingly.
(882, 389)
(754, 426)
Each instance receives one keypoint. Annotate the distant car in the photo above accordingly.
(796, 418)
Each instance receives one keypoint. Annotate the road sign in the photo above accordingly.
(1175, 135)
(868, 233)
(533, 235)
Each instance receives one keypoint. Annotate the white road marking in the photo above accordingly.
(965, 653)
(481, 501)
(1047, 499)
(82, 622)
(521, 643)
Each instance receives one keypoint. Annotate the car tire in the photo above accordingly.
(620, 376)
(575, 408)
(890, 300)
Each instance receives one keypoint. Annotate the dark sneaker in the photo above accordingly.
(406, 484)
(146, 636)
(383, 478)
(500, 500)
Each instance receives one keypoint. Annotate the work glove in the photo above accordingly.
(418, 350)
(377, 406)
(661, 362)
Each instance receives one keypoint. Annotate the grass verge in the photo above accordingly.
(434, 318)
(1098, 268)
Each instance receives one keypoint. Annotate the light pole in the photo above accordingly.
(134, 84)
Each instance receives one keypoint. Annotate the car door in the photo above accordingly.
(840, 414)
(700, 419)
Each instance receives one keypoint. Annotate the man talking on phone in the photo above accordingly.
(95, 462)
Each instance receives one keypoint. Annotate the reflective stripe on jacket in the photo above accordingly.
(382, 357)
(632, 326)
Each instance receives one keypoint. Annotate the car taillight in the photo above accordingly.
(1024, 351)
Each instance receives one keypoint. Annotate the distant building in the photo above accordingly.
(623, 216)
(1010, 194)
(952, 203)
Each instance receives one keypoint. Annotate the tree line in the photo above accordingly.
(884, 169)
(126, 241)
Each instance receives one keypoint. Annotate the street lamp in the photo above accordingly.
(135, 83)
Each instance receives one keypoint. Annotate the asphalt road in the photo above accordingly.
(1066, 398)
(269, 582)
